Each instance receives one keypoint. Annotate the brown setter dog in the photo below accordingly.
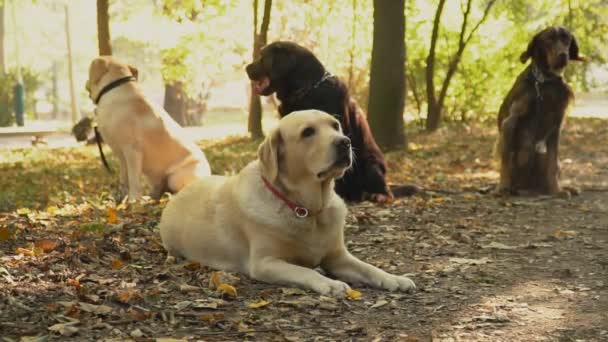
(531, 116)
(301, 82)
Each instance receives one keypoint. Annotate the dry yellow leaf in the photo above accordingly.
(227, 289)
(353, 294)
(259, 304)
(215, 281)
(112, 216)
(24, 251)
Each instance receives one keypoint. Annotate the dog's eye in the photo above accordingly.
(308, 132)
(335, 126)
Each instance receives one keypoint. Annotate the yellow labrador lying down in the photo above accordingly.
(279, 217)
(142, 135)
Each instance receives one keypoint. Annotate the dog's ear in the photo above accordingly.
(98, 68)
(573, 52)
(532, 49)
(279, 62)
(134, 71)
(268, 154)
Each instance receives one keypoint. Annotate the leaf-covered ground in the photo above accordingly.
(76, 265)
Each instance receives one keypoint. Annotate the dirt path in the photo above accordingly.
(488, 268)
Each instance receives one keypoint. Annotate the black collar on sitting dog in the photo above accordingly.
(113, 85)
(300, 93)
(538, 78)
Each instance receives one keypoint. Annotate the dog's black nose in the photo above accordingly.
(343, 145)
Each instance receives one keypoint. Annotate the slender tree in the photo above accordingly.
(103, 28)
(2, 31)
(254, 124)
(387, 76)
(68, 38)
(436, 102)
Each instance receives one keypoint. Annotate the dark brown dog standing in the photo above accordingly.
(531, 116)
(302, 82)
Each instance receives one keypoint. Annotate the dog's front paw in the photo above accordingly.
(334, 288)
(396, 283)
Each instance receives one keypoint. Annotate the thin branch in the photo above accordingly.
(482, 20)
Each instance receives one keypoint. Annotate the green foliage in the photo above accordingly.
(191, 10)
(31, 82)
(491, 60)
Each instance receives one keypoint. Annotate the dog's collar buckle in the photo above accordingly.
(300, 212)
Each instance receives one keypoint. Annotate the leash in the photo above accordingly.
(103, 157)
(300, 212)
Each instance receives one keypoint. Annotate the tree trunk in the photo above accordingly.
(175, 102)
(74, 104)
(254, 124)
(436, 104)
(353, 36)
(387, 76)
(3, 69)
(433, 113)
(55, 92)
(103, 28)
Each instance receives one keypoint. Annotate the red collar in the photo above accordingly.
(300, 212)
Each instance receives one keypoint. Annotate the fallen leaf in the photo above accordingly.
(46, 245)
(129, 295)
(378, 304)
(203, 304)
(465, 261)
(111, 216)
(495, 318)
(353, 294)
(96, 309)
(565, 234)
(498, 245)
(292, 291)
(5, 234)
(24, 251)
(193, 266)
(212, 317)
(73, 282)
(214, 280)
(117, 264)
(259, 304)
(65, 329)
(136, 333)
(227, 289)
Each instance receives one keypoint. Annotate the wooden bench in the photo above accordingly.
(37, 135)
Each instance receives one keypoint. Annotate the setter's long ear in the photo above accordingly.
(99, 67)
(268, 154)
(532, 49)
(573, 52)
(134, 71)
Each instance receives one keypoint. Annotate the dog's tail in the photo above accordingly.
(103, 157)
